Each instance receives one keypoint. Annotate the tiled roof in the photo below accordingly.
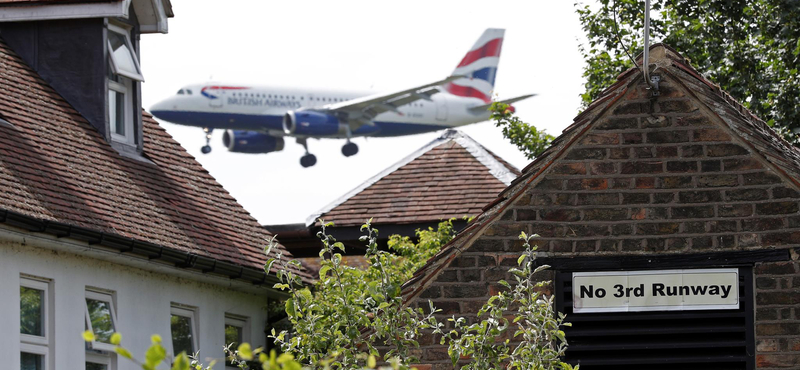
(55, 166)
(451, 177)
(753, 131)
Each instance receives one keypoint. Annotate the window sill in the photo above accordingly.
(129, 151)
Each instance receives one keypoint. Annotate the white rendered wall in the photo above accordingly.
(142, 300)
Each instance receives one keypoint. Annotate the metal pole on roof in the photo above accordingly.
(646, 54)
(652, 82)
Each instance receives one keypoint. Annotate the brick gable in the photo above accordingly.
(688, 172)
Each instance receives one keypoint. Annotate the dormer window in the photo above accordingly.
(123, 73)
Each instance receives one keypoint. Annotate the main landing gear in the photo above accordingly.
(207, 148)
(349, 149)
(308, 159)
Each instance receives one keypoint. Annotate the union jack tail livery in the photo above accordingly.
(479, 67)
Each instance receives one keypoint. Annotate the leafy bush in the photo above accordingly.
(351, 313)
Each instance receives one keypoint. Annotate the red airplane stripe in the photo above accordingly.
(490, 49)
(467, 91)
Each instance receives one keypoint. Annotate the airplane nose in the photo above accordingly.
(167, 110)
(162, 108)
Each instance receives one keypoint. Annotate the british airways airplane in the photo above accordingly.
(257, 118)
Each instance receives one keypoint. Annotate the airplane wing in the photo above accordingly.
(485, 107)
(361, 111)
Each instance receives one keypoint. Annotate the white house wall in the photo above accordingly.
(142, 300)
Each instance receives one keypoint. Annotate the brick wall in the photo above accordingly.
(650, 177)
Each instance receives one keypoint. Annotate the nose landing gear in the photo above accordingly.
(207, 148)
(308, 159)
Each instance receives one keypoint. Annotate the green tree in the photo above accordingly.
(327, 321)
(527, 138)
(538, 342)
(751, 48)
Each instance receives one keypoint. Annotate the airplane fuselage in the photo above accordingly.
(236, 107)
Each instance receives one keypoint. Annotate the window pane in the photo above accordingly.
(100, 316)
(233, 334)
(116, 111)
(122, 55)
(94, 366)
(30, 361)
(31, 311)
(182, 336)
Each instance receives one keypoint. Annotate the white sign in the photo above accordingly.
(663, 290)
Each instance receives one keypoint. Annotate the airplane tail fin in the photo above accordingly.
(479, 67)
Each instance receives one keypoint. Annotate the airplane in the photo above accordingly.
(257, 118)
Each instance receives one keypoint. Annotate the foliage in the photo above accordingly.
(488, 344)
(527, 138)
(156, 355)
(352, 311)
(751, 48)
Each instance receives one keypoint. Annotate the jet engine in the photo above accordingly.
(311, 123)
(251, 142)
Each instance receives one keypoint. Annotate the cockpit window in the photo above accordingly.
(180, 92)
(189, 91)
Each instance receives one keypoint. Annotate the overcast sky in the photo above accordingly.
(355, 44)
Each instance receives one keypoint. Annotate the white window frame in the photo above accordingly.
(31, 343)
(239, 321)
(125, 88)
(126, 35)
(182, 310)
(103, 297)
(102, 359)
(36, 350)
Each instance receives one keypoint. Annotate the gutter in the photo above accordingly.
(149, 251)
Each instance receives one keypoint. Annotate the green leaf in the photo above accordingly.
(154, 355)
(88, 336)
(116, 338)
(324, 270)
(268, 265)
(245, 352)
(123, 352)
(290, 310)
(181, 362)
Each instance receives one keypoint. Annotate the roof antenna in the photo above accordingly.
(652, 81)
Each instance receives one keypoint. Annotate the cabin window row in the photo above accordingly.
(311, 98)
(100, 314)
